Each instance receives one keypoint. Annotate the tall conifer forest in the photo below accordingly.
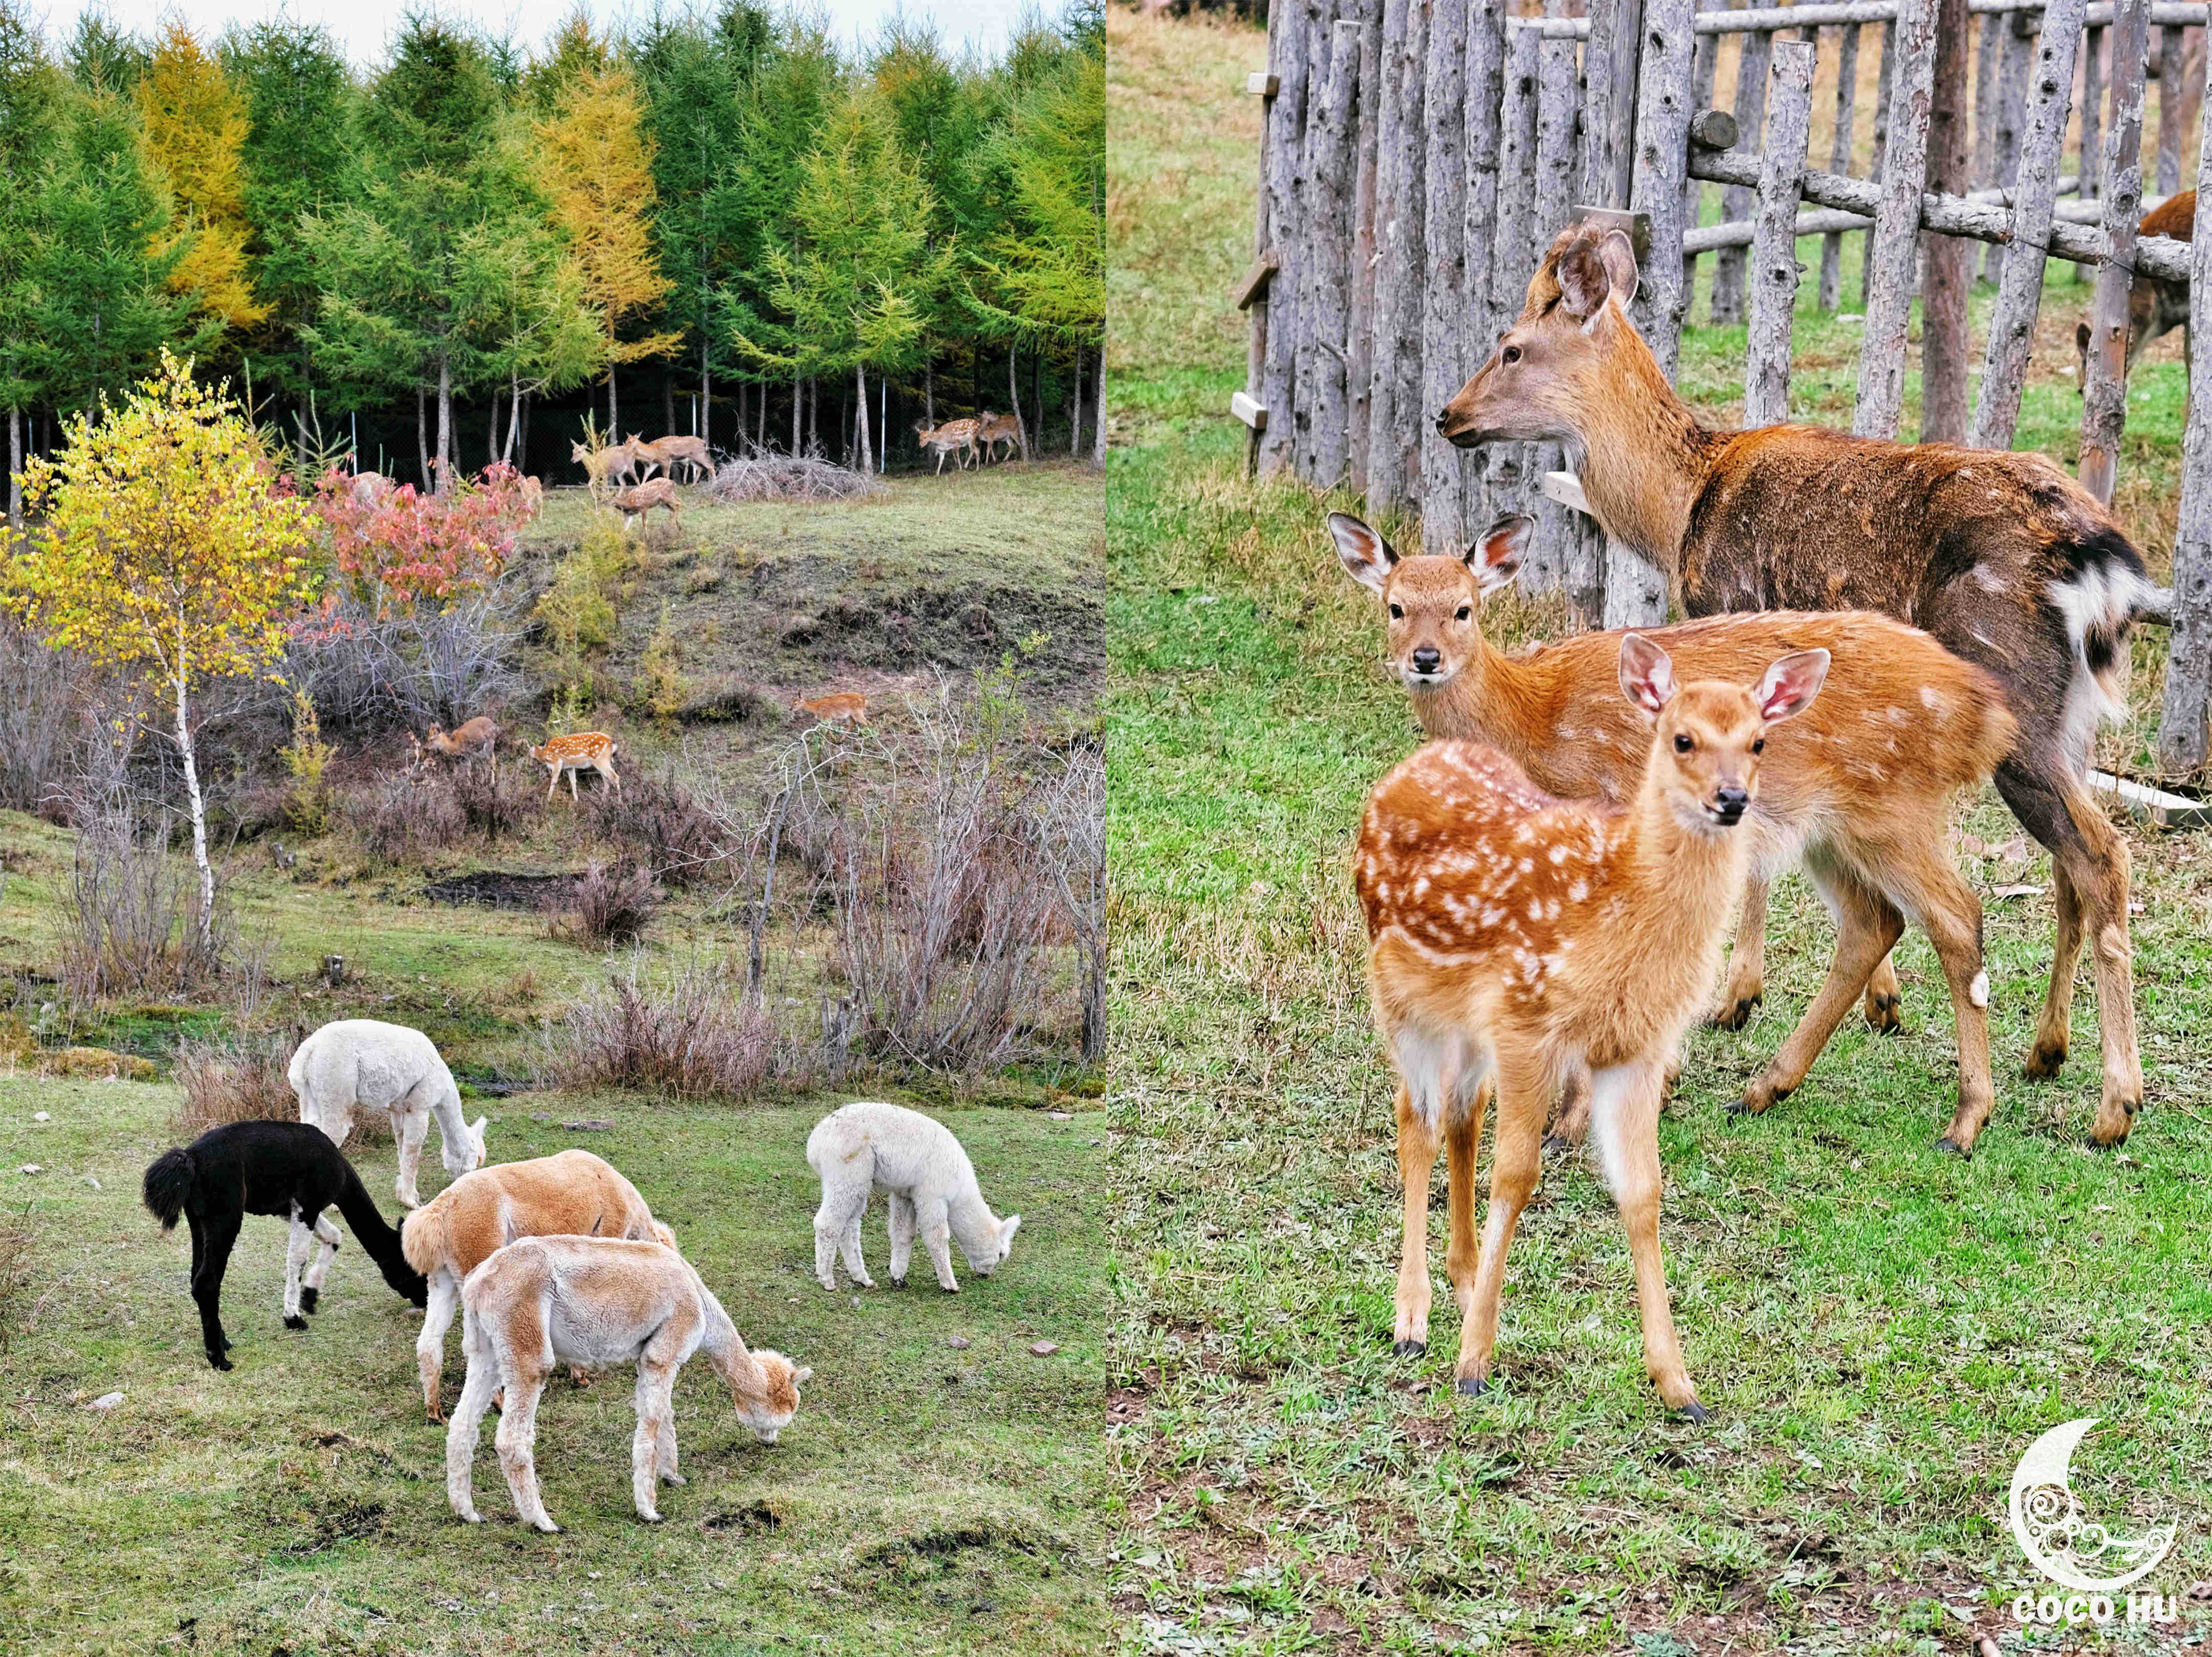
(712, 221)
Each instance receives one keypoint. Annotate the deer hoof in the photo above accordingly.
(1409, 1348)
(1476, 1385)
(308, 1297)
(1737, 1013)
(2048, 1059)
(1558, 1144)
(1951, 1147)
(1693, 1413)
(1885, 1014)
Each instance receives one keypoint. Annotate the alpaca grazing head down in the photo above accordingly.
(767, 1403)
(465, 1154)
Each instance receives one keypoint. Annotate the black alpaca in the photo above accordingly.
(282, 1169)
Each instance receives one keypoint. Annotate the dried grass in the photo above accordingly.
(611, 904)
(766, 477)
(18, 1236)
(692, 1036)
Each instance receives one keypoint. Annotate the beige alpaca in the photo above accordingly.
(930, 1183)
(480, 1213)
(599, 1302)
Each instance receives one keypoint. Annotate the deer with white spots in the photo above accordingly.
(1520, 938)
(1859, 786)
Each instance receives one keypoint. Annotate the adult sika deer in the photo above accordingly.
(1860, 787)
(1514, 933)
(2002, 557)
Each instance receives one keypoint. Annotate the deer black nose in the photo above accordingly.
(1443, 418)
(1730, 804)
(1428, 658)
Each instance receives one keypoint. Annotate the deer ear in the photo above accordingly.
(1595, 268)
(1647, 676)
(2081, 334)
(1789, 685)
(1368, 558)
(1496, 558)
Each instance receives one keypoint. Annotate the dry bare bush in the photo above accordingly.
(763, 475)
(1071, 845)
(661, 823)
(18, 1236)
(367, 669)
(692, 1036)
(496, 802)
(47, 707)
(241, 1081)
(401, 819)
(612, 904)
(130, 914)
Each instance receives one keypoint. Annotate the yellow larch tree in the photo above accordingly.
(195, 125)
(596, 165)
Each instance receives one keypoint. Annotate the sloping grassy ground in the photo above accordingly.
(1881, 1330)
(928, 1498)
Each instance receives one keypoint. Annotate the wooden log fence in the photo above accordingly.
(1419, 156)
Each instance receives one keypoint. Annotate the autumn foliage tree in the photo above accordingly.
(195, 124)
(168, 552)
(596, 164)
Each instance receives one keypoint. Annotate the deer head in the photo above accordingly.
(1434, 603)
(1708, 737)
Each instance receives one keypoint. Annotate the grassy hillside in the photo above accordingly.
(1881, 1330)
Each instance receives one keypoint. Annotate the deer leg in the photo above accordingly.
(572, 785)
(1867, 925)
(1574, 1112)
(1417, 1155)
(1624, 1120)
(1885, 999)
(430, 1344)
(318, 1274)
(1746, 975)
(1952, 916)
(1462, 1136)
(2054, 1027)
(1524, 1090)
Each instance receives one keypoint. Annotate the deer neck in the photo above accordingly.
(1686, 880)
(1486, 700)
(1644, 455)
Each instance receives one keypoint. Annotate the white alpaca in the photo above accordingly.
(360, 1064)
(598, 1301)
(864, 1146)
(573, 1192)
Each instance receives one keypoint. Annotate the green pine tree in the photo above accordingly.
(31, 102)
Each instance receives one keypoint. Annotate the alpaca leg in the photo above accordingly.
(468, 1420)
(901, 1224)
(848, 1245)
(936, 1227)
(318, 1274)
(667, 1447)
(430, 1345)
(518, 1430)
(656, 1413)
(838, 1228)
(297, 1248)
(413, 1128)
(207, 1282)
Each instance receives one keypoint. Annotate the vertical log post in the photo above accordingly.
(2019, 294)
(1399, 201)
(1662, 159)
(1256, 350)
(2012, 76)
(1330, 131)
(1553, 548)
(1704, 67)
(1445, 311)
(1774, 271)
(1359, 346)
(1897, 225)
(2172, 107)
(1751, 75)
(1947, 263)
(2182, 733)
(2105, 398)
(2091, 164)
(1487, 301)
(1510, 483)
(1291, 25)
(1840, 157)
(1883, 87)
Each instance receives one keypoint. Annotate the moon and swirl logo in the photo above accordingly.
(2056, 1532)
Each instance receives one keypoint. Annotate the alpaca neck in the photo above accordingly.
(1644, 457)
(726, 1351)
(974, 1226)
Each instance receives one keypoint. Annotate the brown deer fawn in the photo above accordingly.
(610, 460)
(844, 708)
(955, 437)
(476, 739)
(2154, 307)
(993, 429)
(2003, 558)
(1520, 938)
(591, 750)
(1859, 787)
(666, 452)
(639, 500)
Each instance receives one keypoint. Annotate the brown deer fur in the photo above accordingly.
(2002, 557)
(1859, 786)
(639, 500)
(480, 736)
(2154, 307)
(1520, 936)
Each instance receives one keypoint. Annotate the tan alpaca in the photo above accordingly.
(587, 750)
(481, 1213)
(599, 1302)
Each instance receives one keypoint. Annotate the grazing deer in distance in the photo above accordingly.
(2003, 558)
(610, 460)
(477, 739)
(955, 437)
(639, 500)
(666, 452)
(1518, 937)
(1858, 786)
(993, 429)
(844, 708)
(587, 750)
(2155, 306)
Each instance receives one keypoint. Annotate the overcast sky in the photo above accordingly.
(361, 27)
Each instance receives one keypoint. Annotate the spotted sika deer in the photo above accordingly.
(955, 437)
(587, 750)
(2003, 558)
(993, 429)
(639, 500)
(1520, 937)
(1859, 786)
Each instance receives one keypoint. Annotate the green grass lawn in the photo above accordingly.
(928, 1497)
(1881, 1330)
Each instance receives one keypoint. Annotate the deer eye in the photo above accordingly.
(1759, 747)
(1397, 612)
(1683, 744)
(1463, 612)
(1511, 353)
